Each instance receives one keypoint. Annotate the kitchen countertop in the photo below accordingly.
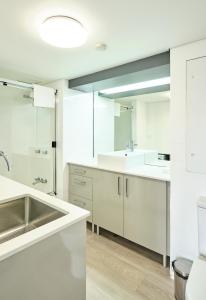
(149, 171)
(10, 190)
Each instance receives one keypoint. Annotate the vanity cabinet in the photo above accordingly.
(83, 203)
(81, 188)
(134, 207)
(108, 201)
(145, 213)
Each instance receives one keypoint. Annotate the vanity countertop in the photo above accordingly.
(149, 171)
(10, 190)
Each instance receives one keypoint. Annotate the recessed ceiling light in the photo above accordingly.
(137, 86)
(63, 32)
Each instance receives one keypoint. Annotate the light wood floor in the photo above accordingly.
(119, 270)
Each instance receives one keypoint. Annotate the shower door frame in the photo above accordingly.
(24, 85)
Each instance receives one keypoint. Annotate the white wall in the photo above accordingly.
(78, 118)
(185, 187)
(103, 124)
(78, 126)
(152, 124)
(123, 130)
(123, 125)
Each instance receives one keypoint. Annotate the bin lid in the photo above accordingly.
(182, 266)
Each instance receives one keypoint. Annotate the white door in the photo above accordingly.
(108, 201)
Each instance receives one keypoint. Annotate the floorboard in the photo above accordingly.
(119, 270)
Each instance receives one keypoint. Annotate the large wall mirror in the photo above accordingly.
(130, 111)
(129, 124)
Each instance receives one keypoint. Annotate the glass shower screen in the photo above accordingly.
(26, 135)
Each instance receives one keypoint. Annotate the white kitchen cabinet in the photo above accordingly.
(108, 201)
(195, 115)
(145, 211)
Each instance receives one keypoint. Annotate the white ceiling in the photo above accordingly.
(132, 29)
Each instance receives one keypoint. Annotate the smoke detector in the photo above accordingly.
(101, 46)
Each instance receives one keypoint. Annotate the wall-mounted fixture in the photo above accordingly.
(6, 160)
(136, 86)
(63, 32)
(39, 180)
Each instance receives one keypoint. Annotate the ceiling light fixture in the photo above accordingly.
(63, 32)
(137, 86)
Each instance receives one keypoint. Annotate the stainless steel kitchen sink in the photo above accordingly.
(22, 215)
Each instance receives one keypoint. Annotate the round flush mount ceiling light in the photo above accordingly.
(63, 32)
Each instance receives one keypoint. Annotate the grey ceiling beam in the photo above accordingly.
(150, 90)
(153, 67)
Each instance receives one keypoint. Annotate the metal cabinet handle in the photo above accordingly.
(118, 184)
(126, 182)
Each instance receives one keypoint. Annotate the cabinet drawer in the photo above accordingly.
(79, 170)
(83, 203)
(81, 186)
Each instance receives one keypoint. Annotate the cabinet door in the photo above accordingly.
(108, 201)
(145, 212)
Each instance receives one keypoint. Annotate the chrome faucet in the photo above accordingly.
(131, 145)
(6, 160)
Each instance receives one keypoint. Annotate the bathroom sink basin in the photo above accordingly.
(22, 215)
(125, 160)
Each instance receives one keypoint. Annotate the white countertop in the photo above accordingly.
(10, 190)
(149, 171)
